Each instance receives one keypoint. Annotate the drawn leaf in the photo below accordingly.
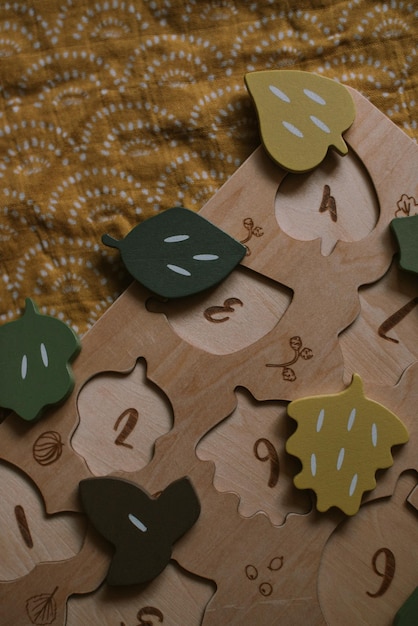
(178, 253)
(35, 352)
(42, 609)
(300, 114)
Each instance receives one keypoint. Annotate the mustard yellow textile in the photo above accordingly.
(112, 110)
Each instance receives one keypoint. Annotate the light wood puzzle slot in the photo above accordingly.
(336, 201)
(121, 416)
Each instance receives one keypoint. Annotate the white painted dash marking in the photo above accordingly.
(314, 96)
(320, 420)
(351, 419)
(24, 367)
(137, 523)
(320, 124)
(205, 257)
(176, 238)
(279, 93)
(292, 129)
(374, 435)
(178, 270)
(340, 459)
(313, 464)
(353, 484)
(44, 355)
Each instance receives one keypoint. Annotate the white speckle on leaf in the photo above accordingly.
(320, 420)
(137, 523)
(314, 96)
(24, 367)
(176, 238)
(205, 257)
(340, 459)
(279, 93)
(292, 129)
(351, 419)
(353, 484)
(178, 270)
(44, 355)
(313, 464)
(320, 124)
(374, 435)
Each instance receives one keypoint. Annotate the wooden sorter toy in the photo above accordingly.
(254, 444)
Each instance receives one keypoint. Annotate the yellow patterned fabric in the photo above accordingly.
(113, 110)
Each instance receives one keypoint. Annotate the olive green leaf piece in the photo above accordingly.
(35, 351)
(141, 528)
(406, 233)
(301, 115)
(178, 253)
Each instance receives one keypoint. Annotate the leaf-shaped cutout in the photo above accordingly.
(300, 115)
(178, 253)
(42, 609)
(342, 440)
(35, 355)
(141, 528)
(406, 232)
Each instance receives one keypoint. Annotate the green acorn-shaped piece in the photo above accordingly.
(178, 253)
(406, 232)
(35, 351)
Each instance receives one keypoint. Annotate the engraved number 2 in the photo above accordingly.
(387, 573)
(132, 418)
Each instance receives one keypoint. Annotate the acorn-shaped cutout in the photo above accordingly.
(301, 115)
(35, 355)
(178, 253)
(342, 440)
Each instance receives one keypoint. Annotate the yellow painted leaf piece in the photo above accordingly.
(341, 441)
(301, 115)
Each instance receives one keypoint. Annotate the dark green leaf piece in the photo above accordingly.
(408, 613)
(406, 232)
(35, 372)
(141, 528)
(178, 253)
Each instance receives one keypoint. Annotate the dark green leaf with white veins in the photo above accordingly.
(178, 253)
(35, 352)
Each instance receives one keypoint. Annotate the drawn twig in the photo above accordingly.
(299, 352)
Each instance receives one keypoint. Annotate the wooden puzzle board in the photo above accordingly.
(199, 388)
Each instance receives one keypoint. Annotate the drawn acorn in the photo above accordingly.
(178, 253)
(47, 448)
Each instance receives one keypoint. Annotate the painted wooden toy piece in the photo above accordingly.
(342, 440)
(178, 253)
(201, 387)
(35, 352)
(141, 528)
(300, 114)
(408, 613)
(406, 232)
